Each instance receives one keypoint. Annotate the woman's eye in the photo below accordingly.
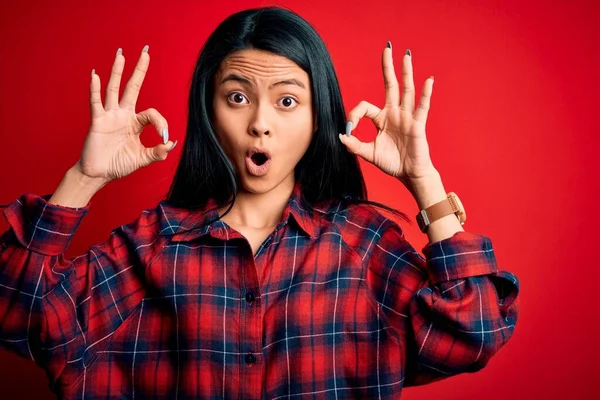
(288, 102)
(237, 98)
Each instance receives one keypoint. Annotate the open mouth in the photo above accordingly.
(257, 162)
(259, 158)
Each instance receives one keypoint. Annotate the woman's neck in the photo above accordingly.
(259, 211)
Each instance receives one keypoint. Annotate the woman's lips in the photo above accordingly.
(257, 161)
(257, 170)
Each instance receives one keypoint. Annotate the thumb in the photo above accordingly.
(158, 152)
(355, 146)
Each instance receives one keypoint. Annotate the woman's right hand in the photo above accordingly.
(113, 148)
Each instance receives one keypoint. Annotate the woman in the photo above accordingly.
(265, 273)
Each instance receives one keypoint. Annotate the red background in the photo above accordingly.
(510, 130)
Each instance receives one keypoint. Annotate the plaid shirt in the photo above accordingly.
(335, 304)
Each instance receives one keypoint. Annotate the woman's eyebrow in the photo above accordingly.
(237, 78)
(291, 81)
(247, 82)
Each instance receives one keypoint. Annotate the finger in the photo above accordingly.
(355, 146)
(152, 116)
(392, 91)
(158, 152)
(363, 109)
(96, 108)
(112, 89)
(423, 109)
(132, 89)
(408, 83)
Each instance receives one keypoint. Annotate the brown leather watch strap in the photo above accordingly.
(439, 210)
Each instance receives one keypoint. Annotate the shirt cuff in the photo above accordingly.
(462, 255)
(43, 227)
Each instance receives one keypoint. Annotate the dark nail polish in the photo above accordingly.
(389, 44)
(408, 53)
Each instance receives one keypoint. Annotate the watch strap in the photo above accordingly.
(436, 211)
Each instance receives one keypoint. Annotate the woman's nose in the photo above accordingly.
(258, 132)
(259, 125)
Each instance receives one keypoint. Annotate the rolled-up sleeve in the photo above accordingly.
(454, 307)
(39, 232)
(54, 310)
(41, 226)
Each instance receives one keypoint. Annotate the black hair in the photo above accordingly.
(326, 171)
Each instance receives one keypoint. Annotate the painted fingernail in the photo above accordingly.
(408, 53)
(348, 128)
(145, 49)
(165, 135)
(119, 51)
(172, 147)
(389, 44)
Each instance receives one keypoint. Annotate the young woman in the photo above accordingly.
(265, 273)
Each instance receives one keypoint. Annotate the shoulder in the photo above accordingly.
(361, 217)
(361, 225)
(163, 219)
(150, 231)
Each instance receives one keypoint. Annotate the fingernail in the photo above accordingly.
(93, 72)
(348, 128)
(119, 51)
(172, 147)
(408, 53)
(145, 49)
(165, 135)
(389, 44)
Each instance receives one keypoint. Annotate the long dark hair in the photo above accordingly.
(326, 171)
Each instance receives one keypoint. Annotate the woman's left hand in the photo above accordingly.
(400, 148)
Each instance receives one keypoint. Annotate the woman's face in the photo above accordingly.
(263, 116)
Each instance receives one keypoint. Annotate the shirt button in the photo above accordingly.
(250, 359)
(250, 297)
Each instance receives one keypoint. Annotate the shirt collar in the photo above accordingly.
(307, 217)
(187, 224)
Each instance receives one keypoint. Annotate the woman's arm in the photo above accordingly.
(454, 308)
(56, 311)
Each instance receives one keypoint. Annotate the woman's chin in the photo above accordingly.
(264, 184)
(254, 185)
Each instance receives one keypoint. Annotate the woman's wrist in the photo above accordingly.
(76, 189)
(427, 190)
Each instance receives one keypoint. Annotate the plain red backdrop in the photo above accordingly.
(510, 130)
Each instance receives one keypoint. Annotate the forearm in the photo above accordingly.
(427, 192)
(76, 190)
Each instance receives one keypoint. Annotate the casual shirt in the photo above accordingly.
(334, 304)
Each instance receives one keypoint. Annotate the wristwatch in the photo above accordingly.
(451, 205)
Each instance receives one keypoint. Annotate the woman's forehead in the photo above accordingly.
(259, 65)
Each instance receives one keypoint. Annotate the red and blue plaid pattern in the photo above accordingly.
(335, 304)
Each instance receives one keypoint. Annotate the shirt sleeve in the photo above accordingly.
(454, 308)
(56, 311)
